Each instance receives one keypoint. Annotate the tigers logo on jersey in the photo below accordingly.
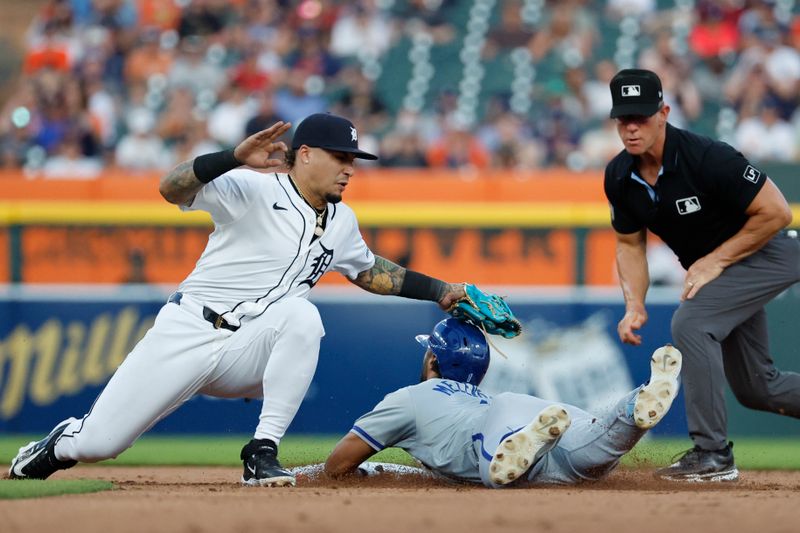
(319, 265)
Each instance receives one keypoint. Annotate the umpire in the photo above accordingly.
(724, 219)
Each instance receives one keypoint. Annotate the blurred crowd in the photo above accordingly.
(140, 85)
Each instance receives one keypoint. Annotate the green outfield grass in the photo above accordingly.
(210, 450)
(751, 453)
(18, 489)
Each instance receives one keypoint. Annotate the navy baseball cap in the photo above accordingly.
(636, 92)
(329, 132)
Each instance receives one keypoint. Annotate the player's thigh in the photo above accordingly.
(172, 359)
(164, 370)
(740, 292)
(292, 325)
(509, 413)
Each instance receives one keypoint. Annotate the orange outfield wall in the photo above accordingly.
(367, 185)
(56, 253)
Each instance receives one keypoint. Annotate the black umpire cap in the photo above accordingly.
(330, 132)
(636, 92)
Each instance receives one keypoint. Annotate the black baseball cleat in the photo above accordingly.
(261, 466)
(37, 460)
(699, 465)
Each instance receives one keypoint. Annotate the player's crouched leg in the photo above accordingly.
(293, 347)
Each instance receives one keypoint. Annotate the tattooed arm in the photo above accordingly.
(386, 277)
(182, 184)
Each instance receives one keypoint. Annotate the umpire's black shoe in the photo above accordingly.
(37, 460)
(699, 465)
(261, 466)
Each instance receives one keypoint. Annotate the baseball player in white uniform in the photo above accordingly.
(240, 325)
(453, 428)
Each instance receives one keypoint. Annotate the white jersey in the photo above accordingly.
(263, 248)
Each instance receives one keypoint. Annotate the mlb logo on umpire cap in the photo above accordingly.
(330, 132)
(631, 90)
(636, 92)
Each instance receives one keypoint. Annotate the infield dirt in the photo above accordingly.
(210, 499)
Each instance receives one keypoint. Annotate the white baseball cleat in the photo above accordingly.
(520, 451)
(655, 398)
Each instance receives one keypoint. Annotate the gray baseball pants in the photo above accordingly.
(722, 333)
(590, 449)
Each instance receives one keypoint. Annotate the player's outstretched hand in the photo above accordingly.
(256, 149)
(634, 318)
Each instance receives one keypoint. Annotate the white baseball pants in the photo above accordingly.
(273, 356)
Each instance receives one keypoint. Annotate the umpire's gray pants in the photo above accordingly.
(722, 333)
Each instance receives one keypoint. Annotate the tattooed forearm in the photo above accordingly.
(384, 277)
(448, 288)
(180, 185)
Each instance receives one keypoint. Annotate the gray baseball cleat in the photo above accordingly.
(37, 459)
(519, 452)
(655, 398)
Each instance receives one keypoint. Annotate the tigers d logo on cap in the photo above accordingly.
(636, 92)
(330, 132)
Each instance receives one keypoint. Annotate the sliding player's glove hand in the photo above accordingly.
(487, 311)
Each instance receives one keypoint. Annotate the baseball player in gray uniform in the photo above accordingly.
(240, 325)
(453, 428)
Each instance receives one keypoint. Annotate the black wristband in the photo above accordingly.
(211, 166)
(421, 287)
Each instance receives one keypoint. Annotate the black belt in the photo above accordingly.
(209, 314)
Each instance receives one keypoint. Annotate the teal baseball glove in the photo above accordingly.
(486, 311)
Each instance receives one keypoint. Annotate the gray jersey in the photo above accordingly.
(435, 421)
(454, 429)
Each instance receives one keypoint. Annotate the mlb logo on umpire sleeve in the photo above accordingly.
(751, 174)
(689, 205)
(631, 90)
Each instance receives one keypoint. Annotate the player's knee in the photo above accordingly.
(763, 397)
(686, 328)
(98, 451)
(752, 399)
(303, 314)
(681, 327)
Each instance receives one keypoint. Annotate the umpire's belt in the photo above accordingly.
(209, 314)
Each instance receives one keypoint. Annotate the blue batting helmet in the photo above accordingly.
(460, 349)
